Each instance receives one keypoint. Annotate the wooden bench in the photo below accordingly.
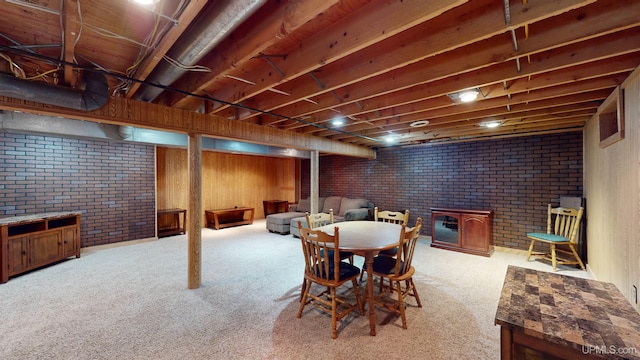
(222, 218)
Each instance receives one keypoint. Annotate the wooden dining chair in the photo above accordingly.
(323, 267)
(563, 225)
(321, 219)
(315, 221)
(398, 270)
(395, 217)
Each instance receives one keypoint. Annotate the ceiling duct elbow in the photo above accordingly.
(217, 23)
(94, 96)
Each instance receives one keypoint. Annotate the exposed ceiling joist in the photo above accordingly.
(294, 66)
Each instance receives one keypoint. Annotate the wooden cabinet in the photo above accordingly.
(31, 241)
(17, 257)
(274, 206)
(468, 231)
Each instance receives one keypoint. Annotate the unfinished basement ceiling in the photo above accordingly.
(386, 68)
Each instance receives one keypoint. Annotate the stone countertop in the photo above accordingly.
(586, 315)
(23, 219)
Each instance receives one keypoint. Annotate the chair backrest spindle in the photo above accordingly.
(319, 219)
(320, 262)
(564, 222)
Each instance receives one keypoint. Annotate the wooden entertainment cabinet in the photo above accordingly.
(468, 231)
(31, 241)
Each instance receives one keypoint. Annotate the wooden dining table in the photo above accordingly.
(366, 239)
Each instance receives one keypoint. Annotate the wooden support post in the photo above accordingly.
(314, 172)
(194, 232)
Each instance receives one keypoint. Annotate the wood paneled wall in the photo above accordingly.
(228, 180)
(612, 190)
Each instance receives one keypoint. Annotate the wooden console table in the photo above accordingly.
(222, 218)
(169, 222)
(546, 315)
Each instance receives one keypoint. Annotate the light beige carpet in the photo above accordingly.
(132, 302)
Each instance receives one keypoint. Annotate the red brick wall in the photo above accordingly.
(111, 184)
(515, 177)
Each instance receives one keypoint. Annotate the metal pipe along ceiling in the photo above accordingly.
(95, 95)
(216, 24)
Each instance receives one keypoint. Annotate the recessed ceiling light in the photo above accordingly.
(419, 123)
(490, 124)
(339, 121)
(392, 138)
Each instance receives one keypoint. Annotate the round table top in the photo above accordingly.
(365, 235)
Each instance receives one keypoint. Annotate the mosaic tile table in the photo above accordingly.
(563, 317)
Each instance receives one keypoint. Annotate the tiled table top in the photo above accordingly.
(17, 220)
(586, 315)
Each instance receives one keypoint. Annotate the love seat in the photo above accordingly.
(344, 209)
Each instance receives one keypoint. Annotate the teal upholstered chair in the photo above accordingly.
(563, 225)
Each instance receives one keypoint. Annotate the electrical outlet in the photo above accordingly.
(634, 294)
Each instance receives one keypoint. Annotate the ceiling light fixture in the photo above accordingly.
(419, 123)
(391, 139)
(146, 2)
(338, 121)
(465, 96)
(469, 95)
(150, 5)
(491, 124)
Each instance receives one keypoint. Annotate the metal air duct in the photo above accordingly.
(219, 21)
(93, 97)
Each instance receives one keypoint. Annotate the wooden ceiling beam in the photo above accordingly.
(128, 112)
(377, 94)
(487, 134)
(147, 65)
(69, 15)
(247, 42)
(497, 108)
(427, 44)
(605, 73)
(470, 126)
(516, 118)
(433, 94)
(572, 122)
(563, 59)
(498, 99)
(374, 22)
